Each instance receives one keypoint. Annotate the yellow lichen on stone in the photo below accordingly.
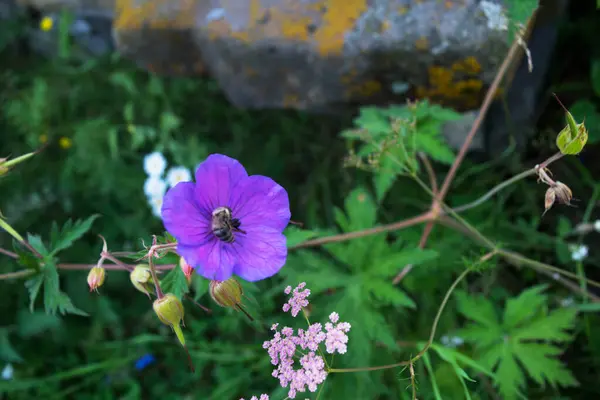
(340, 17)
(131, 15)
(458, 85)
(422, 44)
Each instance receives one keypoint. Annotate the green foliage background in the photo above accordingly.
(521, 335)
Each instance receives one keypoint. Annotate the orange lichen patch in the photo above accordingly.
(469, 65)
(448, 4)
(457, 85)
(337, 18)
(130, 14)
(402, 10)
(340, 17)
(440, 76)
(422, 44)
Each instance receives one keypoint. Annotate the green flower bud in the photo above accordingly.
(226, 293)
(573, 137)
(170, 312)
(96, 278)
(141, 278)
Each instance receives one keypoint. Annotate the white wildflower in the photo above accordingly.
(597, 225)
(7, 372)
(155, 164)
(578, 253)
(567, 302)
(155, 187)
(178, 174)
(156, 205)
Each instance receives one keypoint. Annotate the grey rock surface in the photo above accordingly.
(317, 54)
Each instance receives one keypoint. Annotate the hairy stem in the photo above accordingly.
(366, 232)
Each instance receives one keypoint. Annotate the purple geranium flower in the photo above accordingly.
(228, 222)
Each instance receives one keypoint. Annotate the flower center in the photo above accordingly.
(224, 226)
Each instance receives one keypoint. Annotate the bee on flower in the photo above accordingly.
(228, 222)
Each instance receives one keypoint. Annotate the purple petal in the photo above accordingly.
(209, 260)
(215, 179)
(183, 218)
(260, 253)
(260, 201)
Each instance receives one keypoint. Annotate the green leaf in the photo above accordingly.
(385, 177)
(34, 323)
(477, 308)
(553, 326)
(588, 307)
(521, 308)
(541, 364)
(509, 377)
(481, 335)
(7, 352)
(33, 286)
(36, 242)
(390, 264)
(296, 236)
(373, 120)
(387, 293)
(361, 210)
(70, 233)
(461, 358)
(435, 147)
(175, 282)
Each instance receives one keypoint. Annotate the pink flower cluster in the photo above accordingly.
(262, 397)
(282, 348)
(298, 299)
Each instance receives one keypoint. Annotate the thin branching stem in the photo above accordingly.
(431, 335)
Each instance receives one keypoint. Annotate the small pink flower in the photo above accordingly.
(298, 299)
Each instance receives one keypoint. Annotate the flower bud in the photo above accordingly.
(563, 193)
(187, 269)
(170, 312)
(226, 293)
(6, 164)
(549, 200)
(96, 278)
(573, 137)
(141, 278)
